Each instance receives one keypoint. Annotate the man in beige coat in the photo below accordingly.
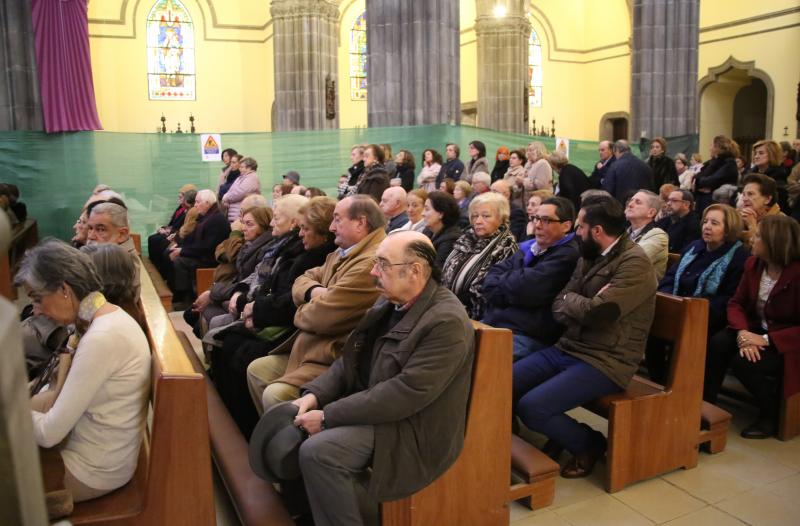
(330, 300)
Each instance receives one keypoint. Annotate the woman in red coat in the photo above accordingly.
(764, 324)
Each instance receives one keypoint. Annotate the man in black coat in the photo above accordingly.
(606, 150)
(680, 222)
(572, 182)
(453, 167)
(628, 174)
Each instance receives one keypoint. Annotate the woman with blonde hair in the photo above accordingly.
(538, 172)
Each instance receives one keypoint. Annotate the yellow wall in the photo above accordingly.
(352, 113)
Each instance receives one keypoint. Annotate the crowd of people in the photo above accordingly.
(348, 317)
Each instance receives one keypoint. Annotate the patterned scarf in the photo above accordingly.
(269, 261)
(709, 280)
(470, 260)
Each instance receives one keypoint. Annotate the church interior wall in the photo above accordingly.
(352, 113)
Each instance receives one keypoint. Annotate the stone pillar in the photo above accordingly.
(413, 63)
(306, 46)
(20, 105)
(502, 65)
(664, 68)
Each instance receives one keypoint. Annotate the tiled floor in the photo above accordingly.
(754, 482)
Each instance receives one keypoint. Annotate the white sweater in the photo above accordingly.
(101, 409)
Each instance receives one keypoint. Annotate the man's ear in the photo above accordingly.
(124, 232)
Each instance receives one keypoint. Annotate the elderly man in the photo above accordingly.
(628, 174)
(641, 212)
(481, 183)
(607, 308)
(520, 290)
(396, 399)
(108, 224)
(197, 250)
(393, 205)
(606, 151)
(680, 222)
(518, 219)
(330, 300)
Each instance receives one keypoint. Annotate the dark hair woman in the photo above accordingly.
(720, 169)
(477, 162)
(441, 214)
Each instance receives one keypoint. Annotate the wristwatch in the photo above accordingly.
(322, 423)
(766, 338)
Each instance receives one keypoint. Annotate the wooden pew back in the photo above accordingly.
(23, 237)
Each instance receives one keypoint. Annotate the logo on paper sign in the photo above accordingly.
(210, 147)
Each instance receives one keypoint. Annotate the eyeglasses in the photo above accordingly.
(547, 220)
(384, 264)
(676, 200)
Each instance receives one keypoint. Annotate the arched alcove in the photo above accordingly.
(614, 125)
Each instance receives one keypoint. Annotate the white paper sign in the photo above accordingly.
(211, 146)
(562, 144)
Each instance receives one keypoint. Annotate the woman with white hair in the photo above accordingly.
(96, 404)
(487, 241)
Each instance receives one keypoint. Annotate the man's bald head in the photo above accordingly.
(404, 263)
(501, 187)
(393, 201)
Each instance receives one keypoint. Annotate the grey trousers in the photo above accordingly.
(333, 463)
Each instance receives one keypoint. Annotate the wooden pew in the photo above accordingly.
(172, 484)
(672, 258)
(653, 429)
(789, 423)
(164, 294)
(256, 502)
(23, 237)
(204, 278)
(475, 490)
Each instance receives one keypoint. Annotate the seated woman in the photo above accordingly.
(463, 195)
(158, 242)
(416, 204)
(97, 406)
(238, 256)
(763, 335)
(269, 313)
(759, 199)
(441, 215)
(710, 268)
(117, 271)
(486, 242)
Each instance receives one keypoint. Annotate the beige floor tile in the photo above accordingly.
(658, 500)
(788, 488)
(749, 466)
(543, 518)
(706, 516)
(518, 511)
(786, 453)
(707, 483)
(573, 491)
(760, 507)
(603, 510)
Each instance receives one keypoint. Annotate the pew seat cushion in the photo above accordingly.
(530, 462)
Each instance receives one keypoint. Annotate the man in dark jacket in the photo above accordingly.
(396, 399)
(453, 167)
(628, 174)
(680, 222)
(606, 150)
(521, 289)
(197, 250)
(393, 205)
(607, 308)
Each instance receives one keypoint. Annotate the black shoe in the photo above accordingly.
(582, 464)
(759, 430)
(553, 449)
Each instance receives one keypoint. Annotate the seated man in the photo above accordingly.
(607, 308)
(680, 222)
(520, 290)
(108, 223)
(197, 249)
(396, 400)
(641, 212)
(330, 300)
(393, 205)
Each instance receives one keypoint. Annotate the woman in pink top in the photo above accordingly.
(431, 165)
(247, 183)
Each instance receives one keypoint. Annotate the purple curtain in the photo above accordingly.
(61, 28)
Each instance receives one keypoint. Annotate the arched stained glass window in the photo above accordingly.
(358, 58)
(170, 52)
(534, 71)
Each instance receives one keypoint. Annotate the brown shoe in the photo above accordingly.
(59, 503)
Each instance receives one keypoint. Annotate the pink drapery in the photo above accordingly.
(61, 29)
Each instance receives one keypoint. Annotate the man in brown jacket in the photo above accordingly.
(607, 308)
(330, 300)
(396, 400)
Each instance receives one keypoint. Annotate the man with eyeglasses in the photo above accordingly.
(680, 222)
(521, 289)
(396, 399)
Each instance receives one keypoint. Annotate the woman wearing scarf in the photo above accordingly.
(486, 242)
(710, 268)
(96, 403)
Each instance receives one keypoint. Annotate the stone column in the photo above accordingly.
(20, 105)
(413, 63)
(306, 38)
(664, 68)
(502, 65)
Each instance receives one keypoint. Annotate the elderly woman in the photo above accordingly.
(268, 313)
(767, 160)
(762, 341)
(710, 268)
(117, 271)
(572, 181)
(664, 170)
(431, 166)
(685, 175)
(720, 169)
(158, 242)
(247, 183)
(95, 407)
(759, 199)
(477, 160)
(441, 215)
(487, 241)
(538, 172)
(416, 204)
(515, 175)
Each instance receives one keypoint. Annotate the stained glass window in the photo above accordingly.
(358, 59)
(534, 71)
(170, 52)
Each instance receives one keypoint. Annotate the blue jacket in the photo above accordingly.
(628, 175)
(521, 289)
(452, 169)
